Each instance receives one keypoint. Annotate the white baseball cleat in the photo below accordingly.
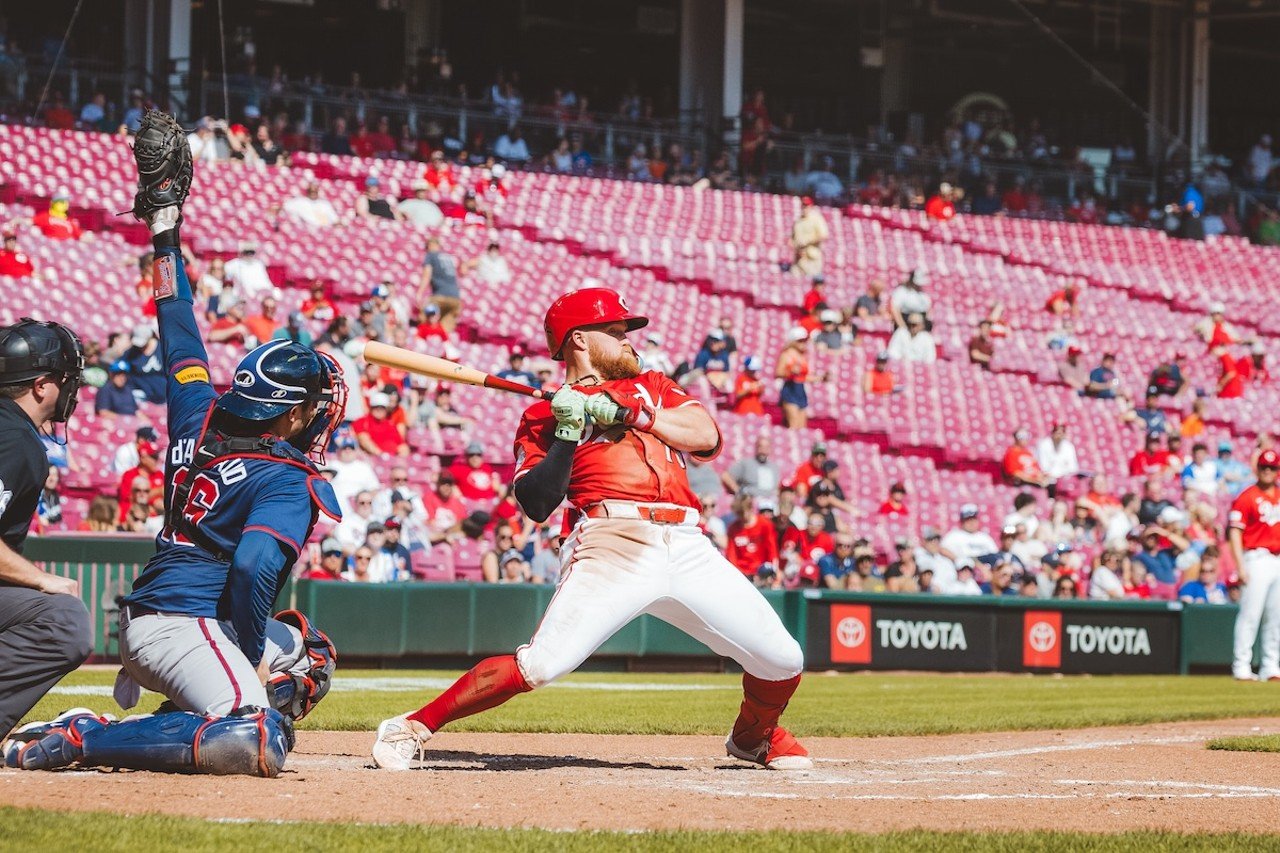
(1244, 676)
(400, 741)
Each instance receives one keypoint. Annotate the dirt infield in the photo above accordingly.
(1107, 779)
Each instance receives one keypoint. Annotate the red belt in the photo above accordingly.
(656, 514)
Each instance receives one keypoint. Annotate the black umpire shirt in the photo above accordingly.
(23, 469)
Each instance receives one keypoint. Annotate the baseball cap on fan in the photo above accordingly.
(968, 511)
(1269, 459)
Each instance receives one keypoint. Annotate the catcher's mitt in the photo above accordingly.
(163, 155)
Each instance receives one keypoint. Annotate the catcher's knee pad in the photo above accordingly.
(250, 742)
(295, 694)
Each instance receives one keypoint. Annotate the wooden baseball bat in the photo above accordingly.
(441, 368)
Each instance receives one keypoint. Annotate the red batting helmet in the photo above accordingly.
(586, 307)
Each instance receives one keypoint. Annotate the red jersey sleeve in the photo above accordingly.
(669, 395)
(1244, 510)
(533, 437)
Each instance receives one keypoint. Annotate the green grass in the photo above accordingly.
(1247, 743)
(835, 705)
(30, 829)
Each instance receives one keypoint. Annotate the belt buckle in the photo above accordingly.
(667, 515)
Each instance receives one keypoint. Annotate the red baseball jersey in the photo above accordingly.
(751, 545)
(615, 463)
(1256, 513)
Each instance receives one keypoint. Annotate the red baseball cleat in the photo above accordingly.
(779, 751)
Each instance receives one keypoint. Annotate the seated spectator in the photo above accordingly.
(1151, 416)
(968, 539)
(445, 510)
(804, 547)
(336, 141)
(357, 517)
(655, 357)
(895, 505)
(1056, 455)
(146, 370)
(870, 305)
(702, 478)
(116, 398)
(55, 222)
(1234, 474)
(1205, 588)
(263, 325)
(1152, 459)
(440, 414)
(1252, 367)
(1106, 581)
(248, 272)
(331, 565)
(1066, 587)
(361, 562)
(829, 336)
(376, 432)
(964, 582)
(902, 575)
(513, 568)
(823, 183)
(399, 492)
(748, 388)
(1158, 561)
(930, 557)
(941, 205)
(145, 481)
(421, 209)
(1020, 466)
(1153, 502)
(1201, 474)
(989, 202)
(268, 151)
(751, 542)
(204, 142)
(544, 568)
(491, 267)
(879, 379)
(1065, 302)
(230, 328)
(14, 263)
(318, 306)
(810, 472)
(713, 361)
(1103, 381)
(913, 342)
(476, 479)
(1166, 378)
(910, 298)
(816, 296)
(103, 515)
(982, 348)
(756, 475)
(126, 455)
(837, 567)
(312, 209)
(94, 113)
(515, 370)
(511, 147)
(1072, 372)
(1001, 581)
(393, 554)
(374, 205)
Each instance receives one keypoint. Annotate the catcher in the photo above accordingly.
(241, 495)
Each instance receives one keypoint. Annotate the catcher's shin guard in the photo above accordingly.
(249, 742)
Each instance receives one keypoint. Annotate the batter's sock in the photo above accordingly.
(762, 704)
(487, 685)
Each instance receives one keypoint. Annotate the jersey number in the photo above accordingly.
(204, 494)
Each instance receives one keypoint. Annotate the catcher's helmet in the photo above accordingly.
(279, 375)
(30, 349)
(589, 306)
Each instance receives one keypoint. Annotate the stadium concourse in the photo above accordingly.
(692, 259)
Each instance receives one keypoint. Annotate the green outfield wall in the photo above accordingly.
(398, 624)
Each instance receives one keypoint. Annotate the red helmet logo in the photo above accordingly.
(589, 306)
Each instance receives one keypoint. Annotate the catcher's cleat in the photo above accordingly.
(400, 740)
(779, 751)
(48, 746)
(163, 156)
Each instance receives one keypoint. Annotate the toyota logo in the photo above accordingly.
(851, 632)
(1042, 637)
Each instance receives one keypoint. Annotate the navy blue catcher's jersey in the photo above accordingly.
(281, 497)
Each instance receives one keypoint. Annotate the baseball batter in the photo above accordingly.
(1254, 536)
(241, 496)
(613, 441)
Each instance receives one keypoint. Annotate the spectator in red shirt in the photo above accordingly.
(1230, 382)
(879, 379)
(230, 328)
(808, 546)
(439, 174)
(13, 262)
(1217, 332)
(1252, 367)
(1020, 465)
(895, 506)
(809, 472)
(431, 328)
(381, 140)
(332, 563)
(1065, 301)
(150, 470)
(752, 542)
(376, 432)
(57, 116)
(362, 141)
(318, 306)
(748, 388)
(982, 349)
(1015, 200)
(817, 294)
(941, 206)
(445, 510)
(476, 479)
(55, 223)
(1152, 459)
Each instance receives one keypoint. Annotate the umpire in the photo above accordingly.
(44, 627)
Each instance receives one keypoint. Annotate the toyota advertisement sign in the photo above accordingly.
(897, 632)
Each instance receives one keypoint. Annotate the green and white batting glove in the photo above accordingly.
(603, 410)
(569, 408)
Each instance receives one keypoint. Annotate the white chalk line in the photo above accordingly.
(416, 685)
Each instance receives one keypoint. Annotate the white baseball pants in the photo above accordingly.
(614, 569)
(1259, 603)
(195, 661)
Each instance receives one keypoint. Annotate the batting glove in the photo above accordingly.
(632, 412)
(570, 410)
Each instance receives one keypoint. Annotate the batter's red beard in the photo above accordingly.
(608, 367)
